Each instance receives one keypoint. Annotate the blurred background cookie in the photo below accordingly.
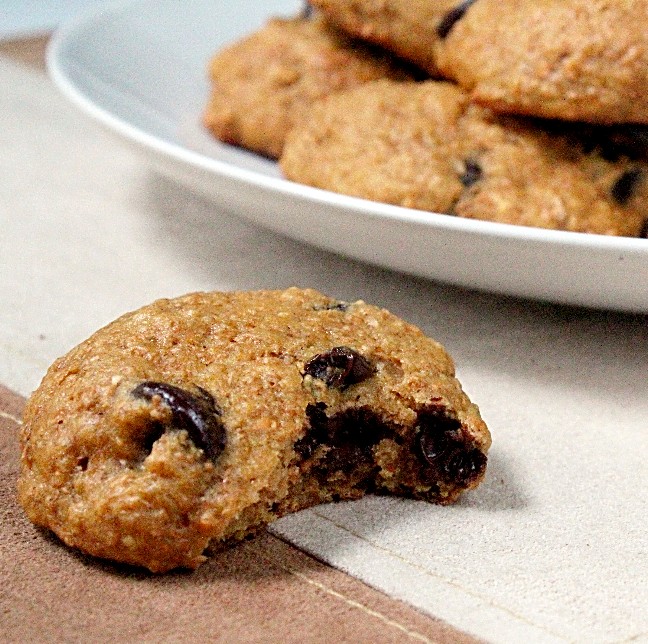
(268, 81)
(409, 28)
(583, 60)
(426, 146)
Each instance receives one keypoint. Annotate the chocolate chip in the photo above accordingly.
(472, 173)
(643, 233)
(629, 141)
(336, 305)
(339, 367)
(448, 21)
(346, 458)
(624, 187)
(349, 435)
(196, 413)
(444, 448)
(307, 11)
(316, 434)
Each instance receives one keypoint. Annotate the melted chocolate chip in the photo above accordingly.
(359, 427)
(450, 19)
(339, 367)
(196, 413)
(445, 449)
(349, 435)
(316, 434)
(472, 173)
(629, 141)
(625, 185)
(346, 458)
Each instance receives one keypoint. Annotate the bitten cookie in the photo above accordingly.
(195, 421)
(266, 82)
(579, 60)
(426, 146)
(409, 28)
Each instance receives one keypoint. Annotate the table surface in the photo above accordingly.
(552, 548)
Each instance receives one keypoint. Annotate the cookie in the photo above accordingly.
(267, 81)
(194, 422)
(578, 60)
(426, 146)
(409, 28)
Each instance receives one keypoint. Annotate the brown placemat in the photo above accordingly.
(264, 590)
(29, 51)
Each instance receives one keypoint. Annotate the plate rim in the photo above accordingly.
(574, 269)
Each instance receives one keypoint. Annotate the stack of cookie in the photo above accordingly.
(515, 111)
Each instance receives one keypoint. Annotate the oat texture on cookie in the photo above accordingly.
(576, 60)
(425, 145)
(543, 93)
(407, 28)
(193, 422)
(266, 82)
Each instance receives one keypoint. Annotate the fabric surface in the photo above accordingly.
(552, 548)
(260, 591)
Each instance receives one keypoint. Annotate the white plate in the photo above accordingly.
(140, 69)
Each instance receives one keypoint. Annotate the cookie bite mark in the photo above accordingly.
(359, 428)
(356, 450)
(337, 450)
(196, 413)
(451, 18)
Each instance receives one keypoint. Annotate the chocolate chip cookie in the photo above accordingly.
(578, 60)
(193, 422)
(426, 146)
(267, 81)
(409, 28)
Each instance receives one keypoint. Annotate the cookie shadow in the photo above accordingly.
(262, 558)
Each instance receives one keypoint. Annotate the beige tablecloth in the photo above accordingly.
(552, 548)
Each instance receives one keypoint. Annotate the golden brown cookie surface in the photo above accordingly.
(425, 146)
(195, 421)
(579, 60)
(264, 83)
(409, 28)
